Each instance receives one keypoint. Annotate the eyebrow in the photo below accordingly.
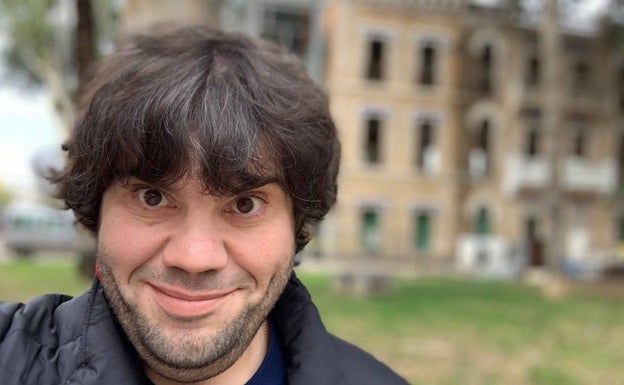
(272, 179)
(177, 186)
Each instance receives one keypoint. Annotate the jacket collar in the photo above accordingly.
(308, 348)
(106, 355)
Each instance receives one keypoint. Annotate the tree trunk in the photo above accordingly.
(84, 44)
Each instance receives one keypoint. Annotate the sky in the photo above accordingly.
(28, 125)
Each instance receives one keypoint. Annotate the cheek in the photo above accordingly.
(268, 253)
(123, 245)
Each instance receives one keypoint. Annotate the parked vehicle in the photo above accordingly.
(28, 228)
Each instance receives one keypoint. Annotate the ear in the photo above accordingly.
(98, 273)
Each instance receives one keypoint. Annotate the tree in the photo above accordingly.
(51, 44)
(37, 50)
(5, 196)
(613, 24)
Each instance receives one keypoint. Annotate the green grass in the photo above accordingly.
(454, 331)
(441, 331)
(24, 279)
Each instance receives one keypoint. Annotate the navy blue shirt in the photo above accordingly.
(272, 371)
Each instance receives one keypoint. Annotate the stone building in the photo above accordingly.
(458, 143)
(472, 135)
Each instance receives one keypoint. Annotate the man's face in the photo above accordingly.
(192, 276)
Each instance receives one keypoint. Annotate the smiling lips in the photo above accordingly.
(182, 305)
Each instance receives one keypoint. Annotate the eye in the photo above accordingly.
(152, 197)
(247, 205)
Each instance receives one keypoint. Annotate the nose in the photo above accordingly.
(196, 244)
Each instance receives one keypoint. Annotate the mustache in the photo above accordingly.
(210, 280)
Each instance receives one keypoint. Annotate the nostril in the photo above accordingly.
(195, 251)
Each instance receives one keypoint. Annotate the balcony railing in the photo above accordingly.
(580, 175)
(522, 172)
(576, 175)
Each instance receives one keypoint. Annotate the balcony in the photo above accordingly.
(525, 173)
(582, 176)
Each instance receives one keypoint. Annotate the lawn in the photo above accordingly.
(442, 331)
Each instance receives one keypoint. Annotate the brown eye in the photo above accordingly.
(247, 205)
(152, 197)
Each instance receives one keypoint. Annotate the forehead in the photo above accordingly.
(205, 177)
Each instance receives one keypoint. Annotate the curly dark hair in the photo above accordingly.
(240, 107)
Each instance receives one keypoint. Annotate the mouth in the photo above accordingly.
(185, 306)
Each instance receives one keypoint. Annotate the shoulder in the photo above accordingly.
(32, 333)
(31, 318)
(360, 367)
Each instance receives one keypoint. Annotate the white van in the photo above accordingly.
(28, 228)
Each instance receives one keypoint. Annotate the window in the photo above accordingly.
(422, 232)
(535, 246)
(532, 141)
(482, 221)
(289, 27)
(483, 138)
(370, 237)
(486, 65)
(374, 69)
(428, 63)
(372, 140)
(579, 144)
(480, 158)
(426, 153)
(533, 72)
(531, 228)
(581, 75)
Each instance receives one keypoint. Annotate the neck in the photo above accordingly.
(239, 373)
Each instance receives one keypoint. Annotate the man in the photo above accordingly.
(201, 161)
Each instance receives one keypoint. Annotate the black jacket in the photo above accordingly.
(54, 339)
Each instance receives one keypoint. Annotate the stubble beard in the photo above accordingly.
(188, 358)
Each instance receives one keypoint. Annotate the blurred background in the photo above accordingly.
(479, 231)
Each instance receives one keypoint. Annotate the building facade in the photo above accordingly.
(472, 136)
(460, 146)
